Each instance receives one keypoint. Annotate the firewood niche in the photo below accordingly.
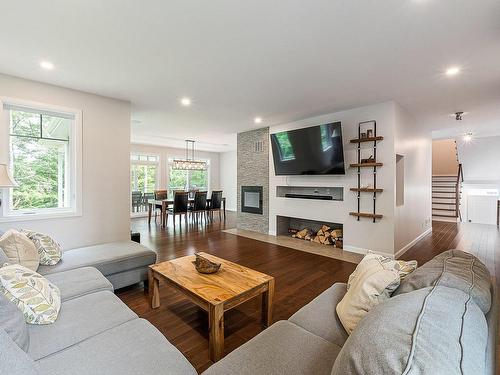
(325, 235)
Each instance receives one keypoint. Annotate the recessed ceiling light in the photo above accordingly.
(46, 65)
(186, 102)
(257, 120)
(452, 71)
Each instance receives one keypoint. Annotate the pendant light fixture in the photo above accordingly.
(189, 164)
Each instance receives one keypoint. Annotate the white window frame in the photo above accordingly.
(75, 163)
(145, 162)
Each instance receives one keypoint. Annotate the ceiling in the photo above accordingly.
(282, 61)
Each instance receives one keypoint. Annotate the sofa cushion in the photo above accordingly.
(283, 348)
(135, 347)
(13, 360)
(319, 315)
(454, 269)
(19, 249)
(79, 319)
(78, 282)
(13, 323)
(37, 298)
(49, 251)
(109, 258)
(434, 330)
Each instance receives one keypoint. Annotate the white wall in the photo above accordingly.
(106, 173)
(362, 235)
(413, 218)
(228, 180)
(166, 153)
(444, 157)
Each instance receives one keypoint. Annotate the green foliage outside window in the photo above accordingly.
(39, 164)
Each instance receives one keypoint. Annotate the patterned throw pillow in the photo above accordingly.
(371, 283)
(34, 295)
(403, 267)
(49, 251)
(19, 249)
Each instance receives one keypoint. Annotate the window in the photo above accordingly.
(188, 179)
(43, 155)
(143, 180)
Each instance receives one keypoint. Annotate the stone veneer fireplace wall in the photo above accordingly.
(253, 170)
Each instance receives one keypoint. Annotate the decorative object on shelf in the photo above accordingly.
(189, 163)
(203, 265)
(6, 179)
(325, 235)
(368, 160)
(369, 136)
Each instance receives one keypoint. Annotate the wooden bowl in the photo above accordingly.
(203, 265)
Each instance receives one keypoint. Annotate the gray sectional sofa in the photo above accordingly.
(95, 332)
(441, 320)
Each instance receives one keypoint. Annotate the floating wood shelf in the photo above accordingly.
(367, 190)
(364, 214)
(371, 139)
(366, 165)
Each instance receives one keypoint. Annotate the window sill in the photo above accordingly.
(39, 216)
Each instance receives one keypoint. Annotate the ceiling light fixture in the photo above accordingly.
(468, 137)
(186, 102)
(257, 120)
(189, 163)
(452, 71)
(46, 65)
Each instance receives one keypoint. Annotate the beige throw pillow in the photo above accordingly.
(49, 251)
(19, 249)
(373, 281)
(37, 298)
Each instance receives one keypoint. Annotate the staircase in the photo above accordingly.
(446, 197)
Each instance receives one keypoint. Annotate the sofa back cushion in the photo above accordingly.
(13, 323)
(454, 269)
(433, 330)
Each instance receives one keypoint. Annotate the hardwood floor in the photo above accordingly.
(299, 277)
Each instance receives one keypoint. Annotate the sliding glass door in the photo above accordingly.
(143, 181)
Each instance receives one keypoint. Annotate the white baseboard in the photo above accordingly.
(359, 250)
(404, 249)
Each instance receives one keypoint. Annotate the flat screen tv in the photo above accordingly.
(316, 150)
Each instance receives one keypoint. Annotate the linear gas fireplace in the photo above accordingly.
(251, 199)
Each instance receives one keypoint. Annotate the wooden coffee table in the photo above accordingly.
(229, 287)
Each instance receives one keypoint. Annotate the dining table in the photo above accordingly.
(164, 203)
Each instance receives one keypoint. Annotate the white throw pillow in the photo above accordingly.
(37, 298)
(49, 251)
(19, 249)
(372, 282)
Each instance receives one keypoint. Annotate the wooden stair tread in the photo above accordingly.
(453, 216)
(365, 214)
(371, 139)
(366, 165)
(443, 209)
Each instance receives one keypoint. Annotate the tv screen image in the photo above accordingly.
(317, 150)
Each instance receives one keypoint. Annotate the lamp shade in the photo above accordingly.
(6, 179)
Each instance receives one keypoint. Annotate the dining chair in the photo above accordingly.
(136, 200)
(145, 200)
(215, 203)
(180, 206)
(159, 195)
(199, 205)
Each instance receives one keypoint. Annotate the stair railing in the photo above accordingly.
(460, 179)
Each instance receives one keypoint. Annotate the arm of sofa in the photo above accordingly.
(319, 315)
